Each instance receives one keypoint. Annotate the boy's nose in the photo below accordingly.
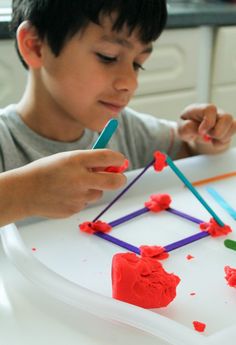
(126, 80)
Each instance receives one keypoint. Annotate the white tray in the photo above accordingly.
(75, 267)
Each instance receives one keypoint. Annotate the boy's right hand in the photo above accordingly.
(63, 184)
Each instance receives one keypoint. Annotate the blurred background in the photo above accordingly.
(193, 61)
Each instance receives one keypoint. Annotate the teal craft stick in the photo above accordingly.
(106, 134)
(222, 202)
(188, 184)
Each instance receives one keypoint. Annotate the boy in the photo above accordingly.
(83, 58)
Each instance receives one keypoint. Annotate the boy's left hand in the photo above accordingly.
(207, 128)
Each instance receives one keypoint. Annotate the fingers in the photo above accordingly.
(196, 112)
(93, 195)
(105, 181)
(188, 131)
(94, 176)
(75, 204)
(224, 129)
(201, 120)
(205, 115)
(100, 158)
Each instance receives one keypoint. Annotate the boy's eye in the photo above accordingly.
(105, 58)
(138, 66)
(111, 59)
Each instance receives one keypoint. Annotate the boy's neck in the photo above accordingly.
(45, 121)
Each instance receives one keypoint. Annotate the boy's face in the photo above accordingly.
(94, 77)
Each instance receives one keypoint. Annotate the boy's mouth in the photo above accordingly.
(113, 107)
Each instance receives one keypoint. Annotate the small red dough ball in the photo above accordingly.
(207, 138)
(158, 202)
(101, 226)
(214, 229)
(92, 227)
(189, 257)
(155, 252)
(120, 169)
(142, 281)
(199, 326)
(87, 227)
(230, 276)
(160, 161)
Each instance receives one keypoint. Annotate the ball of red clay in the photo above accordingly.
(142, 281)
(199, 326)
(230, 276)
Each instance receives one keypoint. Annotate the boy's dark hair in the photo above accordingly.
(58, 20)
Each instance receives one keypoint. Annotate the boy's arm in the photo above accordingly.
(12, 198)
(205, 130)
(58, 186)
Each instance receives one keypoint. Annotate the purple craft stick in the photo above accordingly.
(185, 241)
(128, 217)
(129, 246)
(124, 190)
(143, 210)
(184, 215)
(118, 242)
(167, 248)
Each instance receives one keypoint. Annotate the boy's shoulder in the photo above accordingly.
(10, 122)
(131, 116)
(136, 119)
(7, 139)
(5, 115)
(7, 111)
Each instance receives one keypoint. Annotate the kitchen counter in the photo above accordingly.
(182, 13)
(5, 17)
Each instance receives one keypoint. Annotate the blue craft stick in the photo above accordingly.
(222, 202)
(193, 190)
(106, 134)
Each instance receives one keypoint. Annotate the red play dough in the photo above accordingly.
(158, 202)
(160, 161)
(142, 281)
(207, 138)
(120, 169)
(199, 326)
(189, 257)
(230, 276)
(155, 252)
(214, 229)
(92, 227)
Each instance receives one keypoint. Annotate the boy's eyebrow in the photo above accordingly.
(124, 43)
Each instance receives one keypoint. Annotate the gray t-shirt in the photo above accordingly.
(137, 137)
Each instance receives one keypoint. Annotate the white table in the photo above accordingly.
(30, 315)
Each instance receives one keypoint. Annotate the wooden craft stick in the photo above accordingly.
(214, 178)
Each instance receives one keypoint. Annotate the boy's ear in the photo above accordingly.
(29, 44)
